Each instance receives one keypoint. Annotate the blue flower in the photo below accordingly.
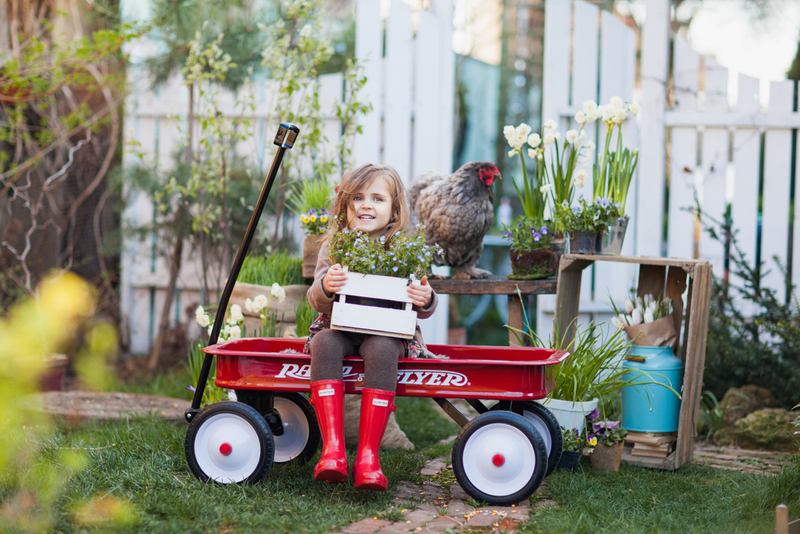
(394, 268)
(537, 237)
(311, 210)
(576, 210)
(543, 230)
(519, 224)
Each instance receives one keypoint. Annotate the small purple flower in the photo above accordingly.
(537, 237)
(612, 425)
(519, 224)
(190, 388)
(311, 211)
(394, 268)
(543, 230)
(593, 415)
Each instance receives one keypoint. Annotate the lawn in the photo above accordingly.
(136, 472)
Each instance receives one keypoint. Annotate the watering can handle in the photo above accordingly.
(285, 138)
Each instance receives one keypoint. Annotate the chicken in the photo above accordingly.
(457, 210)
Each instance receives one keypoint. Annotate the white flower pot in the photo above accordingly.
(570, 414)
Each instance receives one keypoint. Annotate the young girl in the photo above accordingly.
(373, 199)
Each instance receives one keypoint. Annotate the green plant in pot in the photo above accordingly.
(311, 201)
(530, 254)
(613, 174)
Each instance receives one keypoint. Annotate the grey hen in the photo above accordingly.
(457, 210)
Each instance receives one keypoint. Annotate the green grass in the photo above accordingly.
(693, 499)
(141, 462)
(278, 268)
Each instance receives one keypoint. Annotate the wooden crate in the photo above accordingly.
(373, 319)
(657, 276)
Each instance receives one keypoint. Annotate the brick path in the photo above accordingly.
(440, 505)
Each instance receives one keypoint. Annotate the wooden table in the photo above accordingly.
(499, 285)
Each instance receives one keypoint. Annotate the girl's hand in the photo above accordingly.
(335, 279)
(420, 294)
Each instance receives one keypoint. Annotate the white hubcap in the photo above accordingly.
(227, 448)
(295, 431)
(499, 459)
(538, 424)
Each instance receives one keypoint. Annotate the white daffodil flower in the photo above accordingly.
(235, 332)
(616, 322)
(634, 108)
(534, 140)
(616, 101)
(199, 312)
(203, 320)
(550, 125)
(589, 106)
(546, 188)
(591, 146)
(508, 132)
(277, 291)
(248, 305)
(580, 178)
(210, 328)
(236, 313)
(572, 136)
(549, 139)
(582, 137)
(532, 153)
(580, 117)
(648, 316)
(512, 153)
(259, 303)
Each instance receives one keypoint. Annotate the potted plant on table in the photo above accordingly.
(311, 203)
(613, 175)
(530, 254)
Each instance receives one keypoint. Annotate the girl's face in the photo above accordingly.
(371, 209)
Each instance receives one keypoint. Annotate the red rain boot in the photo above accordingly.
(376, 406)
(327, 396)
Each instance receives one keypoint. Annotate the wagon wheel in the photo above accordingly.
(301, 437)
(545, 422)
(229, 443)
(499, 458)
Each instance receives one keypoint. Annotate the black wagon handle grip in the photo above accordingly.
(284, 139)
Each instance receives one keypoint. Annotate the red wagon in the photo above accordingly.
(501, 456)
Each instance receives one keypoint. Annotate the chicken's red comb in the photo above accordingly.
(336, 189)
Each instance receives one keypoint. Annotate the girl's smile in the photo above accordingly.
(371, 209)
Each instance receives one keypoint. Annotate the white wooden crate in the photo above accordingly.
(375, 320)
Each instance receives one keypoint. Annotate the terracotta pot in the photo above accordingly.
(311, 244)
(606, 457)
(532, 264)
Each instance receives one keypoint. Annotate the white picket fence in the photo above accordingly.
(411, 89)
(715, 153)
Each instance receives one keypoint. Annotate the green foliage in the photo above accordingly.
(278, 268)
(311, 194)
(211, 393)
(305, 315)
(585, 216)
(575, 440)
(761, 347)
(527, 234)
(406, 254)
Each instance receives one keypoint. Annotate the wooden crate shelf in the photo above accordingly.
(657, 276)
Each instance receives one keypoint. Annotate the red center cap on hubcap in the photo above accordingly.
(498, 460)
(225, 449)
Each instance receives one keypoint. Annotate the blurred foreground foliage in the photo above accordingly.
(58, 318)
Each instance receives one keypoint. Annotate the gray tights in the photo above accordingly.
(380, 354)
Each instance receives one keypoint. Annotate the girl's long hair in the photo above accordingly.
(359, 179)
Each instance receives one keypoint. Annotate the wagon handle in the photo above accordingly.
(285, 138)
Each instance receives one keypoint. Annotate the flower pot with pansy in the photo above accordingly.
(310, 202)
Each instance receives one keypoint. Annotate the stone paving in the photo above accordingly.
(439, 505)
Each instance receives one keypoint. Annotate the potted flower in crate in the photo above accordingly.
(311, 202)
(614, 172)
(530, 254)
(374, 299)
(584, 222)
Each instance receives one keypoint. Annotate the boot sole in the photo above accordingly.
(330, 472)
(373, 483)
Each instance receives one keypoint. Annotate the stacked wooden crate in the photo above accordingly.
(651, 444)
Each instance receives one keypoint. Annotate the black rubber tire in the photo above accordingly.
(313, 437)
(542, 418)
(467, 469)
(247, 414)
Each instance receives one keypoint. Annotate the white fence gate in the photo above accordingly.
(714, 149)
(411, 89)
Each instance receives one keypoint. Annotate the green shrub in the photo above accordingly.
(304, 316)
(278, 268)
(762, 349)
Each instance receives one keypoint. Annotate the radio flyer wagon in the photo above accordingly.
(500, 456)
